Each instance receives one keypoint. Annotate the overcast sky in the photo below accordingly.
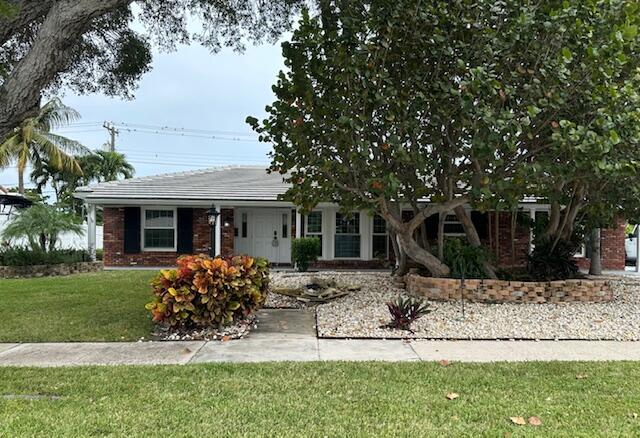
(192, 89)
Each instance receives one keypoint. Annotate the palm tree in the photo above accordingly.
(41, 225)
(109, 166)
(33, 141)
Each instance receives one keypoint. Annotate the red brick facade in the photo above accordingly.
(503, 247)
(613, 256)
(611, 248)
(113, 239)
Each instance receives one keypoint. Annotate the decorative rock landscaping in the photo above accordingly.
(361, 314)
(49, 270)
(499, 291)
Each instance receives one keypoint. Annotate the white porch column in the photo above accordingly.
(298, 225)
(218, 235)
(91, 231)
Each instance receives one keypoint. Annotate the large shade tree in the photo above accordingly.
(395, 102)
(91, 45)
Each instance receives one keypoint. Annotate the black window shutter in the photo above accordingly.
(131, 230)
(432, 226)
(481, 222)
(185, 230)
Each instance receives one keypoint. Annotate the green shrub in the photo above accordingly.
(207, 291)
(304, 251)
(22, 256)
(546, 263)
(463, 258)
(99, 254)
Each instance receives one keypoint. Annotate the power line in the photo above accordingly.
(186, 135)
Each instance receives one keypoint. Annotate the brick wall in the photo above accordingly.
(228, 232)
(503, 249)
(114, 239)
(498, 291)
(611, 248)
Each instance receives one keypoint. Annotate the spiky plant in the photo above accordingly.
(405, 310)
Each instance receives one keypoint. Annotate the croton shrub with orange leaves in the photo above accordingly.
(207, 291)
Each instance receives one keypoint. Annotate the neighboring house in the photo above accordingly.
(149, 221)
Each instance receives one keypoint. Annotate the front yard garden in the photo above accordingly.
(110, 306)
(323, 399)
(103, 306)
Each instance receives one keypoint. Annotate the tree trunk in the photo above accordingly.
(473, 238)
(441, 219)
(425, 258)
(402, 267)
(21, 181)
(53, 47)
(595, 268)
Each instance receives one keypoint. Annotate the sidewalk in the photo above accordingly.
(290, 335)
(307, 348)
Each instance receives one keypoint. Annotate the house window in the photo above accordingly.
(347, 238)
(452, 226)
(244, 224)
(313, 226)
(285, 225)
(380, 243)
(159, 229)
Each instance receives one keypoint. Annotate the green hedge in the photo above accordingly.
(21, 256)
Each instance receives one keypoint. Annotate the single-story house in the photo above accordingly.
(149, 221)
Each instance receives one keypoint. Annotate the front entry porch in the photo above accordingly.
(264, 232)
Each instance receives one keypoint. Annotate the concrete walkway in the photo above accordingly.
(301, 348)
(289, 335)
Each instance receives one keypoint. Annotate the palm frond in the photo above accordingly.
(55, 114)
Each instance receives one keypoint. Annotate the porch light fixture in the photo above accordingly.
(212, 217)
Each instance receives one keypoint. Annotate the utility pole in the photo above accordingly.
(109, 126)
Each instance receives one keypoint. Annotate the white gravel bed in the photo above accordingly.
(360, 314)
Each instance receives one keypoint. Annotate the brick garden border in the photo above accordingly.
(49, 270)
(500, 291)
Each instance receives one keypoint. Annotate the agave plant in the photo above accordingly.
(404, 311)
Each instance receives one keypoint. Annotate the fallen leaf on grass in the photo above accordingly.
(520, 421)
(453, 395)
(445, 363)
(634, 415)
(535, 421)
(581, 376)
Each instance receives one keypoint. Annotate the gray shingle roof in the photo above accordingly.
(250, 183)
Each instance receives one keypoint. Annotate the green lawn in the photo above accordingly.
(103, 306)
(323, 399)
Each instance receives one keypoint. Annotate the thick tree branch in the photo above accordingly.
(28, 12)
(49, 55)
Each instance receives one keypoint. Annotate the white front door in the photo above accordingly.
(264, 232)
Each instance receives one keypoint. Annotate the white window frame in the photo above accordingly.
(373, 233)
(143, 212)
(335, 234)
(318, 234)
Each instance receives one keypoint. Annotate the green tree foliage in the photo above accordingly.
(33, 142)
(41, 225)
(480, 102)
(105, 45)
(99, 166)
